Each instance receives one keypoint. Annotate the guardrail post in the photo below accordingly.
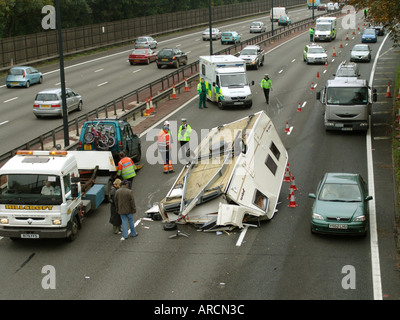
(77, 127)
(123, 105)
(106, 109)
(53, 133)
(41, 142)
(115, 107)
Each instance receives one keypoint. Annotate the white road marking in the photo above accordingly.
(375, 262)
(9, 100)
(4, 122)
(102, 84)
(98, 70)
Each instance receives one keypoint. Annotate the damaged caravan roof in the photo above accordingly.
(235, 175)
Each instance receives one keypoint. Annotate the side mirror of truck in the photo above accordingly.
(74, 190)
(318, 95)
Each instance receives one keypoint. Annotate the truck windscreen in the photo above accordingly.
(347, 96)
(30, 189)
(233, 80)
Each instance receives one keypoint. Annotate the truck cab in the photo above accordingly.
(38, 198)
(119, 130)
(347, 102)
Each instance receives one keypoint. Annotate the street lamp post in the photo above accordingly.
(62, 76)
(210, 27)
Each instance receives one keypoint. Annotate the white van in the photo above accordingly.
(226, 81)
(277, 12)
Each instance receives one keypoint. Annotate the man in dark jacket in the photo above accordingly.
(125, 204)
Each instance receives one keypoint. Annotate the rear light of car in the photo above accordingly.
(174, 58)
(80, 145)
(120, 145)
(23, 74)
(55, 105)
(36, 106)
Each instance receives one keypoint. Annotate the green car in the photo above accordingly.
(340, 205)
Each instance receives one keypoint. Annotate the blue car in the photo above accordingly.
(369, 35)
(23, 77)
(230, 37)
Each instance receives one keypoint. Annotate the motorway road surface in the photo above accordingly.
(101, 78)
(280, 259)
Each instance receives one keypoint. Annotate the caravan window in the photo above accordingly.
(270, 163)
(260, 200)
(275, 150)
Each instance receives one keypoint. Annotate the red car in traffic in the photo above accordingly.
(142, 56)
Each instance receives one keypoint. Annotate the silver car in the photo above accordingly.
(347, 69)
(215, 34)
(360, 52)
(145, 42)
(49, 102)
(257, 26)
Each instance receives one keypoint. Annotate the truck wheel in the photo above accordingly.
(220, 105)
(74, 229)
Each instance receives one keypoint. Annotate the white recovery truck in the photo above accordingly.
(235, 175)
(226, 81)
(47, 194)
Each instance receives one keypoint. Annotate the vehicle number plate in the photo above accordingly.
(338, 226)
(239, 102)
(136, 60)
(347, 129)
(164, 59)
(45, 106)
(29, 236)
(15, 83)
(87, 146)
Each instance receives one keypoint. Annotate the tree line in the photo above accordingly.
(20, 17)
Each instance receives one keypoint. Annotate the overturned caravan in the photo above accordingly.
(234, 176)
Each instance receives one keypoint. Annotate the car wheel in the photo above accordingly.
(148, 61)
(80, 105)
(220, 105)
(262, 61)
(28, 84)
(132, 63)
(40, 80)
(158, 66)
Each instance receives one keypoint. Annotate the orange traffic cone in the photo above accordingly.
(173, 96)
(388, 95)
(299, 107)
(326, 63)
(341, 45)
(347, 37)
(287, 127)
(312, 86)
(292, 202)
(287, 177)
(147, 112)
(186, 86)
(334, 53)
(317, 74)
(151, 108)
(293, 185)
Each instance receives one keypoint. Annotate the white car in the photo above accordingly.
(257, 26)
(314, 53)
(215, 34)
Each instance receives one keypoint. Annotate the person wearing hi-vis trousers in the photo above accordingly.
(164, 148)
